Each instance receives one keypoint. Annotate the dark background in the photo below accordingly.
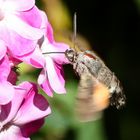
(113, 29)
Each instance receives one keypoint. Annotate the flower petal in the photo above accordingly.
(8, 111)
(13, 132)
(58, 85)
(16, 44)
(35, 58)
(59, 58)
(4, 68)
(44, 21)
(20, 27)
(2, 49)
(33, 17)
(34, 107)
(17, 5)
(6, 89)
(44, 83)
(49, 33)
(60, 73)
(6, 92)
(13, 77)
(31, 127)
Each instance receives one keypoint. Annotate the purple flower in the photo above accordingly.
(20, 23)
(51, 77)
(24, 114)
(21, 27)
(26, 33)
(6, 88)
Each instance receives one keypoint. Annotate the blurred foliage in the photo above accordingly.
(58, 14)
(112, 27)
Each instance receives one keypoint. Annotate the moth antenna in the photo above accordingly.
(74, 29)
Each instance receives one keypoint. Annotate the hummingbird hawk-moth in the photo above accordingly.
(98, 85)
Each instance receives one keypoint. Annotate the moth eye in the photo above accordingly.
(70, 54)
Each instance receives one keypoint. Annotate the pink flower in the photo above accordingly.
(20, 23)
(2, 49)
(51, 77)
(24, 114)
(6, 88)
(21, 27)
(35, 58)
(27, 33)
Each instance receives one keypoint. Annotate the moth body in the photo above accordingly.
(88, 63)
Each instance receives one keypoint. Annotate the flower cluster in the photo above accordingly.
(25, 34)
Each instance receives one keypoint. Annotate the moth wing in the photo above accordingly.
(91, 99)
(118, 99)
